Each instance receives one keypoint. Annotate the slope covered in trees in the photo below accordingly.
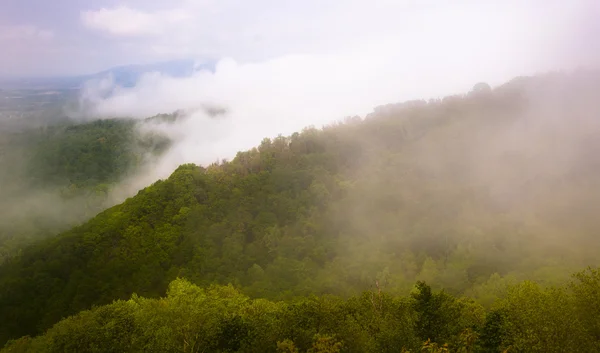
(221, 319)
(56, 175)
(470, 193)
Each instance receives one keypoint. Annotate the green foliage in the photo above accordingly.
(432, 347)
(441, 317)
(532, 319)
(586, 293)
(53, 177)
(286, 346)
(188, 319)
(83, 155)
(325, 344)
(222, 319)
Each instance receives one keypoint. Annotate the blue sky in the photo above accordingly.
(42, 37)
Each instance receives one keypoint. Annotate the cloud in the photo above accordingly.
(264, 29)
(124, 21)
(325, 63)
(24, 32)
(286, 94)
(92, 36)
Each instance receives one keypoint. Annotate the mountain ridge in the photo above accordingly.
(122, 75)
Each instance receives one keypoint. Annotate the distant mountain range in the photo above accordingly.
(125, 76)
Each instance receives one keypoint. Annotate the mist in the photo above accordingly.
(437, 53)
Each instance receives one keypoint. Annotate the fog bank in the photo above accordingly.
(439, 51)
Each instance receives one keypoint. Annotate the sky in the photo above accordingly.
(70, 37)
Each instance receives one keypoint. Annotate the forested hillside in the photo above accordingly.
(56, 175)
(471, 193)
(221, 319)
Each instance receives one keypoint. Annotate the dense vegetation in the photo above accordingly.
(57, 175)
(471, 193)
(221, 319)
(90, 155)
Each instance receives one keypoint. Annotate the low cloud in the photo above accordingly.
(280, 96)
(266, 29)
(435, 53)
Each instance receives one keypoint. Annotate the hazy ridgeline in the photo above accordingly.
(57, 172)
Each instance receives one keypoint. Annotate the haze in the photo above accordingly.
(284, 68)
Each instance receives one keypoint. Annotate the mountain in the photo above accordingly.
(61, 173)
(128, 75)
(125, 76)
(469, 193)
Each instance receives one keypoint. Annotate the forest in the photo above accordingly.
(57, 175)
(462, 224)
(221, 319)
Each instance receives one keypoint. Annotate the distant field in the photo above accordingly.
(34, 107)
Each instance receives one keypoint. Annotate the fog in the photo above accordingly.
(439, 52)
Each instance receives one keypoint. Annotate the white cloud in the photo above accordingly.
(124, 21)
(264, 29)
(288, 93)
(315, 62)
